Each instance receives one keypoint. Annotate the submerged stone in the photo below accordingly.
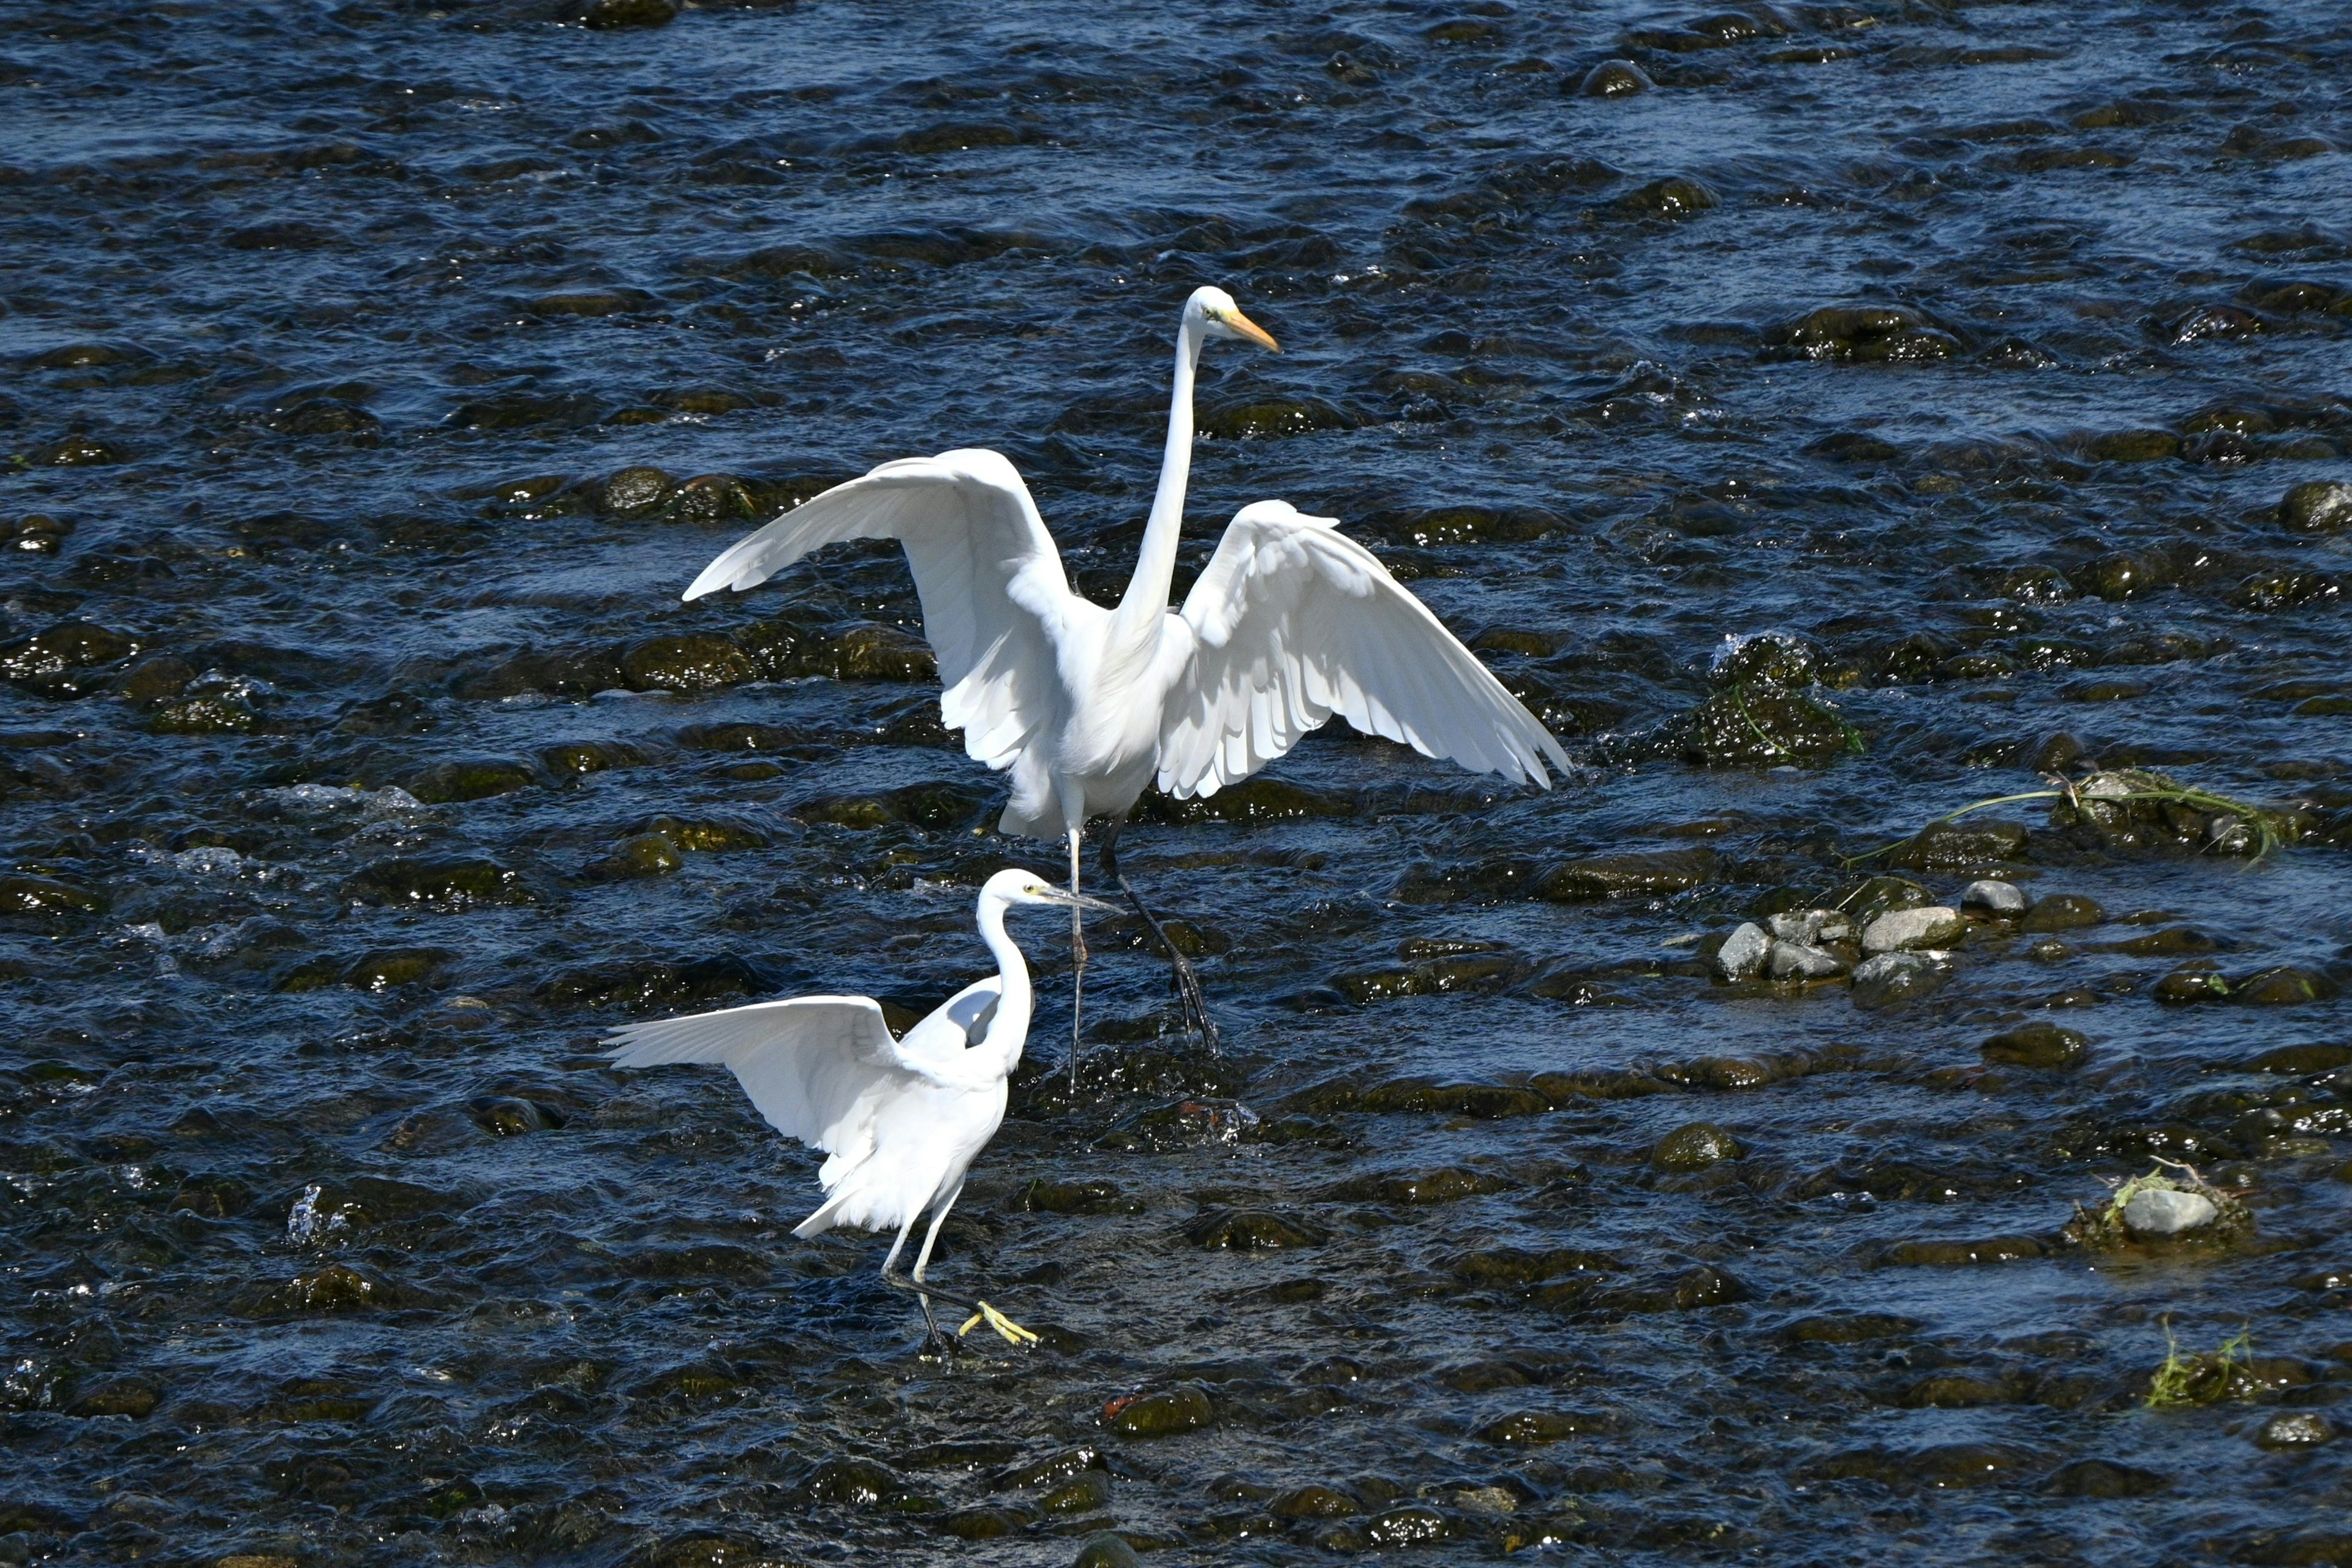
(2317, 506)
(2037, 1045)
(2063, 911)
(1892, 979)
(1162, 1415)
(1695, 1147)
(1614, 79)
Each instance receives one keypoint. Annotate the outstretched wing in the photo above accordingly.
(995, 602)
(1293, 622)
(816, 1067)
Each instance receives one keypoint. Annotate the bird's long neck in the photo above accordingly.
(1145, 601)
(1010, 1028)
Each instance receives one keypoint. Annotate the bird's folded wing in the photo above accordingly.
(816, 1067)
(994, 593)
(1293, 622)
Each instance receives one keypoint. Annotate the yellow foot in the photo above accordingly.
(1014, 1334)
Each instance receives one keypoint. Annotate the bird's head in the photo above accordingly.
(1221, 317)
(1018, 887)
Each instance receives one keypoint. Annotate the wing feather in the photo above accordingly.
(816, 1068)
(1292, 621)
(996, 603)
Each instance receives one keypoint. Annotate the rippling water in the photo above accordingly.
(379, 374)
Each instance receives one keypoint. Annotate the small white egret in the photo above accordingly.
(1291, 623)
(902, 1120)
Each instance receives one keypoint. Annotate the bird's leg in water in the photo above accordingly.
(981, 1312)
(1190, 1003)
(891, 1277)
(1077, 960)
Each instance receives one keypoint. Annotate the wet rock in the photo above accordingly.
(2317, 506)
(851, 1482)
(1693, 1148)
(2039, 1044)
(1939, 1253)
(1267, 418)
(1892, 979)
(1868, 899)
(642, 855)
(1797, 961)
(58, 661)
(1905, 930)
(48, 900)
(1640, 875)
(1862, 334)
(1106, 1551)
(1487, 1101)
(633, 491)
(1995, 900)
(331, 1289)
(2199, 979)
(2164, 1211)
(2133, 447)
(2063, 911)
(1752, 726)
(2285, 986)
(2295, 1429)
(132, 1396)
(1959, 845)
(478, 778)
(1314, 1501)
(696, 662)
(1409, 1526)
(1614, 79)
(36, 533)
(2105, 1478)
(76, 452)
(1535, 1428)
(1043, 1195)
(1672, 199)
(1744, 955)
(1086, 1492)
(610, 13)
(1252, 1231)
(453, 883)
(1162, 1415)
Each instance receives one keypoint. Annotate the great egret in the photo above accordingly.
(1292, 622)
(903, 1120)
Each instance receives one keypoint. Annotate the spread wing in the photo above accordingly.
(1293, 622)
(816, 1067)
(995, 602)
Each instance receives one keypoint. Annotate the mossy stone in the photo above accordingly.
(696, 662)
(2036, 1045)
(642, 855)
(1693, 1148)
(1163, 1414)
(2317, 506)
(2063, 911)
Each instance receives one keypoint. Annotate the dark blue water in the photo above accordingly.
(378, 375)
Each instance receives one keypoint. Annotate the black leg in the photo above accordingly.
(1190, 1005)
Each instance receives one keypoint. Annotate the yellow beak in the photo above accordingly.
(1253, 331)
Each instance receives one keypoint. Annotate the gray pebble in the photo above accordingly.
(1795, 961)
(1903, 930)
(2159, 1211)
(2002, 901)
(1744, 953)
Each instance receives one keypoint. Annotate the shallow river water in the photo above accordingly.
(378, 374)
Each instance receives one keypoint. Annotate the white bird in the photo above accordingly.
(1291, 623)
(902, 1120)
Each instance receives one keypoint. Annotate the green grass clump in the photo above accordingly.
(2205, 1377)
